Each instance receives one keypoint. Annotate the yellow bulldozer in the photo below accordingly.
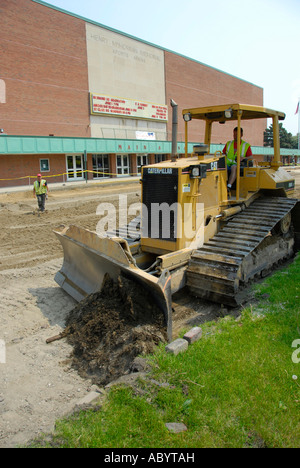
(191, 231)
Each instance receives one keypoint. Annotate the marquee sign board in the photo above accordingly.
(116, 106)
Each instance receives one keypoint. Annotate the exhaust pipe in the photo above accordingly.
(174, 129)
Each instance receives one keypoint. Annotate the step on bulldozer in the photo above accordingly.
(192, 231)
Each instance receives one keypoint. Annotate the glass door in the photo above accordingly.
(142, 160)
(100, 165)
(75, 167)
(123, 169)
(160, 157)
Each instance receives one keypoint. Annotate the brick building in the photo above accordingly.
(76, 95)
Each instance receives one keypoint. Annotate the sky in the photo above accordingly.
(254, 40)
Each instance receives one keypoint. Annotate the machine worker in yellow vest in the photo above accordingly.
(40, 191)
(230, 149)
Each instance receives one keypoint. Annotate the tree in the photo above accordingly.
(286, 138)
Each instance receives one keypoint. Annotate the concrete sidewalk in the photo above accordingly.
(68, 185)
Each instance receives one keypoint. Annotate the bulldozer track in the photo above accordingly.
(245, 247)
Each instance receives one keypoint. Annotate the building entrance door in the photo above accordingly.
(100, 165)
(123, 165)
(75, 167)
(142, 160)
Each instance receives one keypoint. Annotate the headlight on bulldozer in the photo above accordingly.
(187, 117)
(197, 172)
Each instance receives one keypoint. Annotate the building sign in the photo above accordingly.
(115, 106)
(145, 135)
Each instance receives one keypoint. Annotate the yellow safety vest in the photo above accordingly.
(231, 153)
(40, 188)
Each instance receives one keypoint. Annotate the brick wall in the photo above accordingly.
(44, 86)
(43, 63)
(20, 166)
(192, 84)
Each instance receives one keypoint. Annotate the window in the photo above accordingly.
(44, 165)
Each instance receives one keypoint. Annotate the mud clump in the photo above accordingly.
(108, 329)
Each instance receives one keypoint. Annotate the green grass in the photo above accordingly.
(233, 388)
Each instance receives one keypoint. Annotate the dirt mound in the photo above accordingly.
(110, 328)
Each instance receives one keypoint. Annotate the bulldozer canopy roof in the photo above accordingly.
(217, 113)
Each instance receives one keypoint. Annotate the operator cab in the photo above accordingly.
(251, 177)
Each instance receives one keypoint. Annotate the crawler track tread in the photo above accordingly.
(219, 269)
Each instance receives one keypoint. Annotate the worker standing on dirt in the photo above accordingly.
(40, 191)
(230, 149)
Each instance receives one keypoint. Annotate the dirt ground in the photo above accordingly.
(38, 383)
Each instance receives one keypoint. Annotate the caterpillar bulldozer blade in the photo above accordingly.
(88, 258)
